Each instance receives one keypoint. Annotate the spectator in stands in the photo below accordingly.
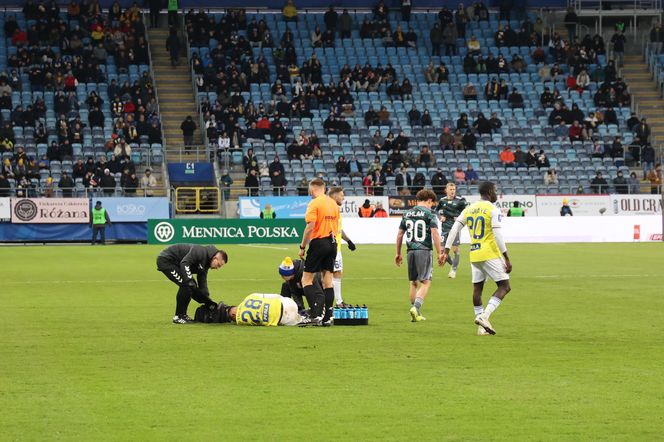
(426, 158)
(473, 46)
(531, 157)
(378, 180)
(507, 157)
(542, 160)
(469, 140)
(520, 157)
(249, 161)
(384, 117)
(107, 183)
(129, 183)
(173, 46)
(458, 140)
(618, 152)
(515, 99)
(436, 37)
(438, 181)
(66, 185)
(482, 125)
(618, 40)
(656, 38)
(655, 178)
(449, 38)
(571, 21)
(148, 183)
(188, 127)
(575, 132)
(5, 186)
(403, 181)
(599, 184)
(289, 11)
(492, 90)
(620, 184)
(251, 183)
(642, 131)
(342, 167)
(459, 176)
(471, 175)
(446, 139)
(426, 118)
(469, 91)
(380, 212)
(345, 24)
(317, 38)
(355, 167)
(647, 158)
(414, 116)
(634, 185)
(550, 178)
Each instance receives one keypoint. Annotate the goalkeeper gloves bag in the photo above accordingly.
(351, 245)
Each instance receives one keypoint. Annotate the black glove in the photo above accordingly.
(351, 245)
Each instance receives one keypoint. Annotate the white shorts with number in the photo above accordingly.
(338, 262)
(289, 313)
(493, 269)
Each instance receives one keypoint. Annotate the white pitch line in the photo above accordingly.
(258, 246)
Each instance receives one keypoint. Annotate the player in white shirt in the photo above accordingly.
(337, 194)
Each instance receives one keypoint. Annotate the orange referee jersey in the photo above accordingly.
(324, 212)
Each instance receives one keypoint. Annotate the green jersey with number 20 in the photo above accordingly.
(417, 224)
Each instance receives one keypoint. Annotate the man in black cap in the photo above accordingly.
(179, 263)
(98, 220)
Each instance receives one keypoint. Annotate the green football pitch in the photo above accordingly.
(88, 351)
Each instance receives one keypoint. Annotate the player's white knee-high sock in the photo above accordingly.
(336, 284)
(492, 306)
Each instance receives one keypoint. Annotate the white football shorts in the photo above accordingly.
(338, 262)
(289, 313)
(493, 269)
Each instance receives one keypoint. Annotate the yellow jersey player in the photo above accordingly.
(337, 194)
(488, 253)
(265, 309)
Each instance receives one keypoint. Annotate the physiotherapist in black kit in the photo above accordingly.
(180, 263)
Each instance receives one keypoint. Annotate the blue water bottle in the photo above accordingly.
(351, 312)
(344, 312)
(365, 312)
(335, 313)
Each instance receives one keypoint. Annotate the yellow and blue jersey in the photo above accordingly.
(481, 218)
(258, 309)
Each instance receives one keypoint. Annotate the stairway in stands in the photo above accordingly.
(176, 96)
(646, 95)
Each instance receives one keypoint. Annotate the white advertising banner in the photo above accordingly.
(352, 204)
(581, 205)
(505, 202)
(5, 208)
(531, 229)
(50, 210)
(628, 205)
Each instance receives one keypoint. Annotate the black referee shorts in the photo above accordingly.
(321, 255)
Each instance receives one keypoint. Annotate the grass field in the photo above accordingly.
(87, 352)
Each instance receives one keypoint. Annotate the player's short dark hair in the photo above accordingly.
(517, 204)
(318, 182)
(224, 255)
(426, 195)
(486, 187)
(334, 190)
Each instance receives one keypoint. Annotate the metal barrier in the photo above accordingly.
(197, 200)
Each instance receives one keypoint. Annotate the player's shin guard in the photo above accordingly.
(337, 291)
(315, 299)
(455, 261)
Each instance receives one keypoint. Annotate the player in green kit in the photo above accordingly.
(449, 208)
(488, 253)
(420, 228)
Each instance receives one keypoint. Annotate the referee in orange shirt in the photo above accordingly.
(322, 218)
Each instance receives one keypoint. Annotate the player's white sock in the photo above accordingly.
(491, 306)
(336, 284)
(478, 310)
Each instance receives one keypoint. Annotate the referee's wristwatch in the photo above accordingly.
(302, 247)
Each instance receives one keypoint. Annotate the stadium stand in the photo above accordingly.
(269, 89)
(76, 99)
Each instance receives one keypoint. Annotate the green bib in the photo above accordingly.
(268, 214)
(516, 211)
(99, 216)
(172, 5)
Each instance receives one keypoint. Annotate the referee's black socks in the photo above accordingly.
(329, 302)
(316, 300)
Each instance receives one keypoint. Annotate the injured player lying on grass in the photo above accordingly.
(265, 309)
